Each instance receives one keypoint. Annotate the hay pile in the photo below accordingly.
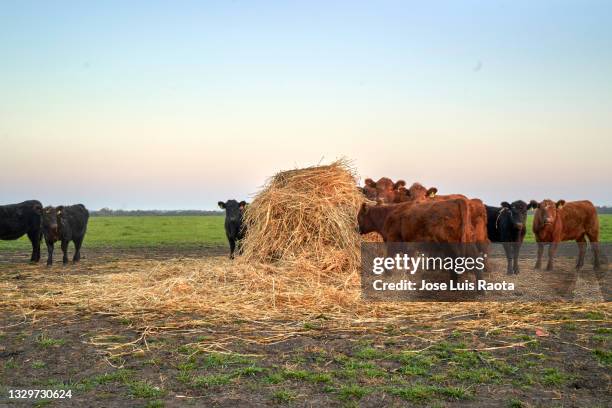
(306, 218)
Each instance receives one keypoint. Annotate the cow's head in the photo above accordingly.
(233, 209)
(418, 192)
(369, 189)
(402, 194)
(517, 211)
(399, 184)
(364, 220)
(384, 190)
(548, 211)
(51, 221)
(37, 208)
(384, 184)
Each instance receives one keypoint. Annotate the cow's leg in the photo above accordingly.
(232, 244)
(581, 251)
(517, 249)
(478, 275)
(239, 246)
(49, 252)
(596, 259)
(482, 249)
(593, 239)
(77, 249)
(538, 264)
(40, 239)
(508, 251)
(34, 238)
(485, 254)
(551, 255)
(65, 251)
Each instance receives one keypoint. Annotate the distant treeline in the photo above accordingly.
(604, 210)
(107, 212)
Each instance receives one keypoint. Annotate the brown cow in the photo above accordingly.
(444, 222)
(441, 222)
(478, 213)
(384, 190)
(435, 221)
(561, 221)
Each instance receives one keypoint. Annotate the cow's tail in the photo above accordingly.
(464, 211)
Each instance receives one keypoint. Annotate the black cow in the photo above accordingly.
(16, 220)
(507, 224)
(65, 224)
(234, 229)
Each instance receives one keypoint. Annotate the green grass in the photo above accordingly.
(421, 392)
(212, 380)
(553, 377)
(225, 360)
(283, 396)
(160, 231)
(149, 231)
(353, 391)
(45, 341)
(303, 375)
(38, 364)
(121, 375)
(143, 389)
(603, 356)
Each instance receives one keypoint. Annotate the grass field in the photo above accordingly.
(146, 231)
(185, 231)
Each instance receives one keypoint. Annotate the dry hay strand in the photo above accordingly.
(306, 218)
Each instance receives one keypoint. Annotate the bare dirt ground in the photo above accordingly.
(564, 361)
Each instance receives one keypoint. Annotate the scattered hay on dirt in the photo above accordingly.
(271, 303)
(306, 218)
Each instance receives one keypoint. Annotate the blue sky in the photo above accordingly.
(183, 104)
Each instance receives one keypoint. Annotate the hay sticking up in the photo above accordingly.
(307, 217)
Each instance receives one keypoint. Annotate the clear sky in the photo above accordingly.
(181, 104)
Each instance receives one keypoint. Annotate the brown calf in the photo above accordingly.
(561, 221)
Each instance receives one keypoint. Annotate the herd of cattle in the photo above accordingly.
(418, 214)
(401, 214)
(62, 223)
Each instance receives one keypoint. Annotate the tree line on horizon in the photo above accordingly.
(108, 212)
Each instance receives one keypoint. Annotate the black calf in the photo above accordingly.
(65, 224)
(16, 220)
(234, 229)
(506, 224)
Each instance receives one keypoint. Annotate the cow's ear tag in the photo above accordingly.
(59, 213)
(432, 194)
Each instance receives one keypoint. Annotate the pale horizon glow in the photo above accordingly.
(150, 105)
